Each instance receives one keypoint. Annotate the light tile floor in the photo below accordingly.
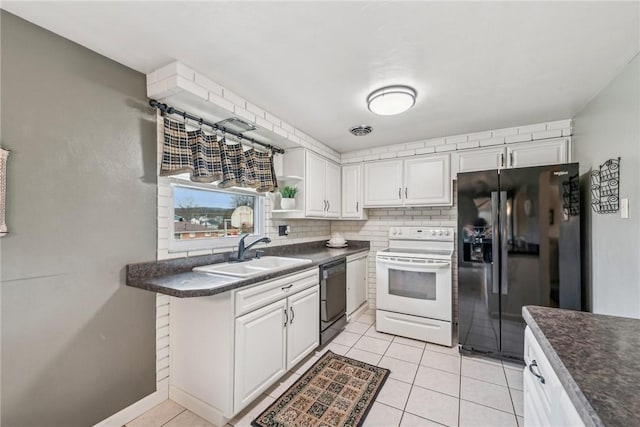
(429, 385)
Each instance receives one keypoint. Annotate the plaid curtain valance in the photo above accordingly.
(208, 159)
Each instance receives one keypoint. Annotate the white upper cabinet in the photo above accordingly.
(383, 183)
(479, 160)
(418, 181)
(352, 192)
(315, 201)
(332, 189)
(534, 153)
(427, 181)
(538, 153)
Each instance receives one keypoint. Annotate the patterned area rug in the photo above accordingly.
(335, 391)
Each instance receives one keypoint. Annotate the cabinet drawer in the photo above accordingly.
(257, 296)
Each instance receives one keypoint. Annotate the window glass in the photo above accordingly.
(212, 217)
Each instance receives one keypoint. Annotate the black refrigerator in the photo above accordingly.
(518, 244)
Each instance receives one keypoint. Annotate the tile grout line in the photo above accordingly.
(174, 417)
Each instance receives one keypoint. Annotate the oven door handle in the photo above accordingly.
(423, 266)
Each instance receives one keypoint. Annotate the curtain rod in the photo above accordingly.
(170, 110)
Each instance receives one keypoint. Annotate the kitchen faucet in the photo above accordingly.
(242, 248)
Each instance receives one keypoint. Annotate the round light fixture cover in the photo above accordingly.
(391, 100)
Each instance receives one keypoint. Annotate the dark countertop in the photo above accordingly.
(175, 278)
(596, 358)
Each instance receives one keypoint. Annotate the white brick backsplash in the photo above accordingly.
(371, 157)
(448, 147)
(532, 128)
(504, 132)
(478, 136)
(191, 86)
(184, 71)
(220, 101)
(245, 114)
(209, 84)
(259, 112)
(414, 145)
(434, 142)
(456, 139)
(352, 160)
(264, 123)
(288, 127)
(388, 155)
(518, 138)
(236, 99)
(294, 138)
(273, 119)
(280, 131)
(556, 133)
(163, 72)
(467, 145)
(491, 141)
(378, 150)
(426, 150)
(560, 124)
(406, 153)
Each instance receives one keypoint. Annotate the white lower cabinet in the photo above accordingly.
(546, 402)
(356, 282)
(228, 348)
(260, 353)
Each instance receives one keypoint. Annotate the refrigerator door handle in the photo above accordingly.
(494, 243)
(504, 273)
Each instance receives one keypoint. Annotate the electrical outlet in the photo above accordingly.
(283, 230)
(624, 208)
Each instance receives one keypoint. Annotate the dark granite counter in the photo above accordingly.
(596, 358)
(174, 277)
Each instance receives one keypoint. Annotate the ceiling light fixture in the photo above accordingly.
(391, 100)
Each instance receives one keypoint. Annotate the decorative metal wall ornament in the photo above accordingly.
(4, 154)
(605, 187)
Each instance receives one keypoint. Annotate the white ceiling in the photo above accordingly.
(476, 65)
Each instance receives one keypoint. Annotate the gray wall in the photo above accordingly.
(77, 344)
(609, 127)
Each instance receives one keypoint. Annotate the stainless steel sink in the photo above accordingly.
(254, 267)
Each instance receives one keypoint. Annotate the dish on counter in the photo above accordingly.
(340, 246)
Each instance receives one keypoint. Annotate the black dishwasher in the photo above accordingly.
(333, 299)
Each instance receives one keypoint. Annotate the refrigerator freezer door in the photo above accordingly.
(478, 290)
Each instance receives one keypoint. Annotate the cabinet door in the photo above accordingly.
(303, 330)
(260, 353)
(427, 180)
(315, 202)
(356, 284)
(383, 183)
(538, 153)
(480, 160)
(332, 189)
(352, 191)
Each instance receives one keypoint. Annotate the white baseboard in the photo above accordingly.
(133, 411)
(197, 406)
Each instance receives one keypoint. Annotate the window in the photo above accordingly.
(205, 218)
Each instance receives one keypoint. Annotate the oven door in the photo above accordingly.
(414, 286)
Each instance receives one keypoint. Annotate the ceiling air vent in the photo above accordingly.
(361, 130)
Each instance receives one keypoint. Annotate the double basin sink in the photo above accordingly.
(253, 267)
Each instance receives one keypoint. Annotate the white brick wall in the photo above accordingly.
(176, 77)
(488, 138)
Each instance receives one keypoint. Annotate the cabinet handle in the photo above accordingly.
(357, 206)
(511, 159)
(286, 317)
(531, 365)
(399, 192)
(292, 315)
(284, 288)
(501, 160)
(405, 193)
(328, 205)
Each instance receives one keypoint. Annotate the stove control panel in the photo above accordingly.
(422, 233)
